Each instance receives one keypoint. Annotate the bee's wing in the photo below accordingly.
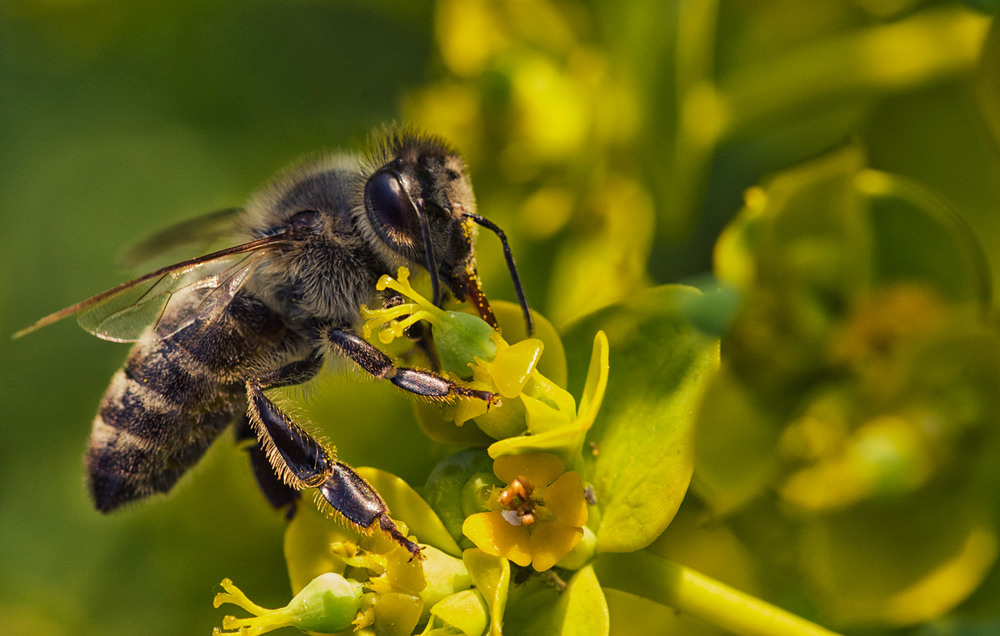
(124, 316)
(196, 235)
(122, 313)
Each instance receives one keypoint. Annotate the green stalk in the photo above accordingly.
(650, 576)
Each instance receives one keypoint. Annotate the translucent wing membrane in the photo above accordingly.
(170, 298)
(170, 302)
(184, 239)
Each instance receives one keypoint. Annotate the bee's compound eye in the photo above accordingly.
(304, 219)
(390, 207)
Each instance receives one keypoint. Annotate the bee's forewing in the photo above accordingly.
(172, 301)
(122, 313)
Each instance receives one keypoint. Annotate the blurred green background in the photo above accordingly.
(612, 141)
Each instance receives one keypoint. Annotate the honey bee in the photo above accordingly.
(212, 334)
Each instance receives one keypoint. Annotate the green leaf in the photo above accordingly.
(579, 610)
(659, 364)
(491, 576)
(465, 611)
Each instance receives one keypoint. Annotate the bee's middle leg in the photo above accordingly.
(416, 381)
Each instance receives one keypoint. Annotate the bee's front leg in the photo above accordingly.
(302, 462)
(422, 383)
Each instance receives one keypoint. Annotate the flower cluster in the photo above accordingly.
(538, 517)
(531, 509)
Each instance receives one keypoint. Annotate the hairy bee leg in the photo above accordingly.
(274, 488)
(354, 498)
(302, 462)
(296, 457)
(423, 383)
(277, 493)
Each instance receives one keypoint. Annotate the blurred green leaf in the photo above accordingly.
(936, 551)
(734, 445)
(659, 364)
(988, 83)
(986, 6)
(917, 238)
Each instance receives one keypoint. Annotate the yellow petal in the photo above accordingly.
(540, 469)
(541, 417)
(564, 499)
(551, 541)
(513, 366)
(597, 380)
(492, 534)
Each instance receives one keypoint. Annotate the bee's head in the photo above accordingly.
(419, 206)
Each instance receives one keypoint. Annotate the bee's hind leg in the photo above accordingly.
(301, 462)
(277, 493)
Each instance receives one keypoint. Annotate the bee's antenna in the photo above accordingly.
(491, 226)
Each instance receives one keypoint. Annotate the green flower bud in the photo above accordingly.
(327, 605)
(460, 340)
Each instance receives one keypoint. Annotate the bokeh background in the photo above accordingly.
(611, 140)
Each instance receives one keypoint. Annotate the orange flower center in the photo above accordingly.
(516, 497)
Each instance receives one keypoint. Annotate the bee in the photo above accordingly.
(214, 333)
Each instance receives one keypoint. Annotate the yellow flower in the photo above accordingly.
(538, 518)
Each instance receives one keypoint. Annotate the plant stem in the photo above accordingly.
(650, 576)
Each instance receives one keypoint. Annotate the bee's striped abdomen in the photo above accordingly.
(156, 420)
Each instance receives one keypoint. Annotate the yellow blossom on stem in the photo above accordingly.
(538, 518)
